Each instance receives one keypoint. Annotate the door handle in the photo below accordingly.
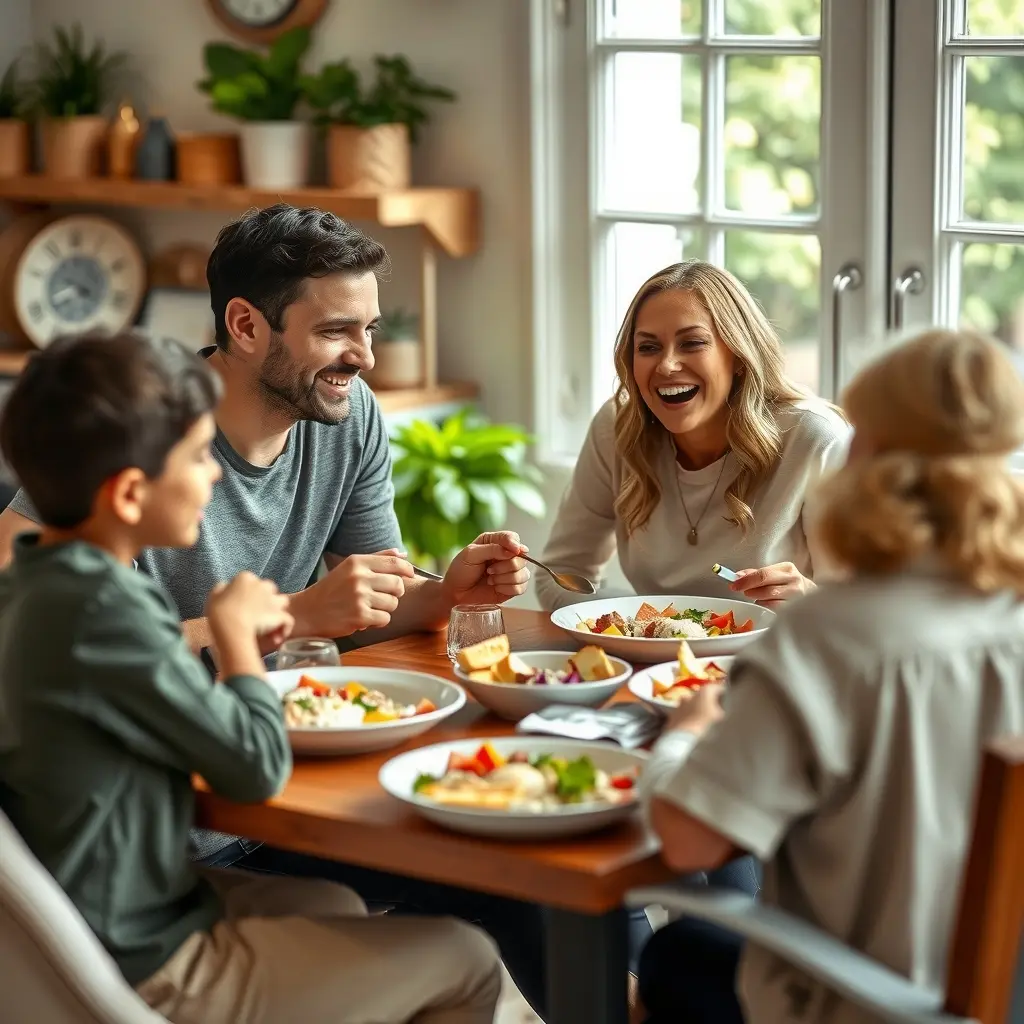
(848, 278)
(910, 282)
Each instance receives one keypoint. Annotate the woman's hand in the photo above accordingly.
(772, 585)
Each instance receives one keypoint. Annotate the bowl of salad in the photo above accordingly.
(338, 710)
(648, 629)
(518, 787)
(667, 687)
(514, 685)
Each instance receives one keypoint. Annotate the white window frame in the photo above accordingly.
(568, 279)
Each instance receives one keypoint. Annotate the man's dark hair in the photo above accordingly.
(86, 408)
(267, 256)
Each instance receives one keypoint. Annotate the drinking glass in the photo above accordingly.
(471, 623)
(307, 652)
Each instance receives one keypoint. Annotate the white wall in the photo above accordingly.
(479, 48)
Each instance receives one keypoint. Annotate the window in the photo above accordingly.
(731, 130)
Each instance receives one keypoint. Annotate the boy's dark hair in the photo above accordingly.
(267, 256)
(86, 408)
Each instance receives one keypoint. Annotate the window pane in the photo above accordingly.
(776, 18)
(995, 18)
(994, 139)
(652, 136)
(651, 19)
(772, 134)
(992, 291)
(783, 273)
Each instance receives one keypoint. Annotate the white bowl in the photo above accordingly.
(642, 684)
(398, 775)
(514, 701)
(405, 687)
(640, 648)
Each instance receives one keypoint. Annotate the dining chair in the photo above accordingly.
(986, 967)
(54, 967)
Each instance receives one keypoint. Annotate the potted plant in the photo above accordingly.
(456, 481)
(14, 139)
(397, 352)
(370, 133)
(71, 87)
(262, 91)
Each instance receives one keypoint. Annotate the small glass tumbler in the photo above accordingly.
(307, 652)
(471, 623)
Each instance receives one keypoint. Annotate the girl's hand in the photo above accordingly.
(773, 585)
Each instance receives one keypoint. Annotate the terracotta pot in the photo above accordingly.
(369, 159)
(15, 151)
(73, 146)
(209, 160)
(398, 364)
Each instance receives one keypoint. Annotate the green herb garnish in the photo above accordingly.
(422, 781)
(693, 614)
(575, 778)
(306, 703)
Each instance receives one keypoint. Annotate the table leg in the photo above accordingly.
(587, 964)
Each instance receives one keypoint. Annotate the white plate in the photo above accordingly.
(399, 774)
(642, 684)
(641, 649)
(404, 687)
(514, 701)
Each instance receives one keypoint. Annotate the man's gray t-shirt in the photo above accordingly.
(329, 491)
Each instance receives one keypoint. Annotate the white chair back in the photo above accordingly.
(54, 968)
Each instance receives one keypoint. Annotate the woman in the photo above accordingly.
(848, 752)
(704, 455)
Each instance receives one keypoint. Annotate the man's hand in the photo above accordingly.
(773, 585)
(489, 571)
(360, 592)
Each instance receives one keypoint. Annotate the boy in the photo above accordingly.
(105, 714)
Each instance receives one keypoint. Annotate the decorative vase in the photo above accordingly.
(209, 160)
(154, 158)
(15, 150)
(275, 154)
(397, 364)
(73, 146)
(122, 139)
(369, 159)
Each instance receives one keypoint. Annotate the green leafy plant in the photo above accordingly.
(254, 86)
(12, 93)
(456, 481)
(397, 96)
(71, 80)
(399, 326)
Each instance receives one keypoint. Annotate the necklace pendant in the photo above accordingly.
(692, 536)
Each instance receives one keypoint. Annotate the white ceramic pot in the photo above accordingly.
(275, 154)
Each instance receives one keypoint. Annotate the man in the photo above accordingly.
(302, 443)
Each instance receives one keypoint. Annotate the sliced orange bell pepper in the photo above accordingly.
(320, 689)
(747, 627)
(425, 707)
(489, 758)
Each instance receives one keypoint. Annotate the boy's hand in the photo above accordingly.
(360, 592)
(697, 714)
(250, 607)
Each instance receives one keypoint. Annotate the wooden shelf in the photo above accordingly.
(451, 216)
(390, 401)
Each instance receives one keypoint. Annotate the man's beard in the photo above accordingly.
(282, 387)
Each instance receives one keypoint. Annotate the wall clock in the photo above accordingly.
(69, 275)
(262, 21)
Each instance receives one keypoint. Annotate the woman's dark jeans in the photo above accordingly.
(688, 968)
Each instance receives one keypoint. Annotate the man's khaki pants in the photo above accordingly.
(304, 951)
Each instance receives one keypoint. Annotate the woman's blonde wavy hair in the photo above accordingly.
(937, 418)
(752, 432)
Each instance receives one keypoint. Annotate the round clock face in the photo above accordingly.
(258, 13)
(78, 275)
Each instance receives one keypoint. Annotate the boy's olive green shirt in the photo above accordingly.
(104, 715)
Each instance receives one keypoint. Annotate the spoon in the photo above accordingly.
(566, 580)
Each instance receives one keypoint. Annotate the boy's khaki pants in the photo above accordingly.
(304, 951)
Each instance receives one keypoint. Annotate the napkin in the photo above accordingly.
(629, 724)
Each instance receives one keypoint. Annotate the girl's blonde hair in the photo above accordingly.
(938, 417)
(752, 432)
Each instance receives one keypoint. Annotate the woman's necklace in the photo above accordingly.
(692, 536)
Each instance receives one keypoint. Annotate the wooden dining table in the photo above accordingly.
(334, 808)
